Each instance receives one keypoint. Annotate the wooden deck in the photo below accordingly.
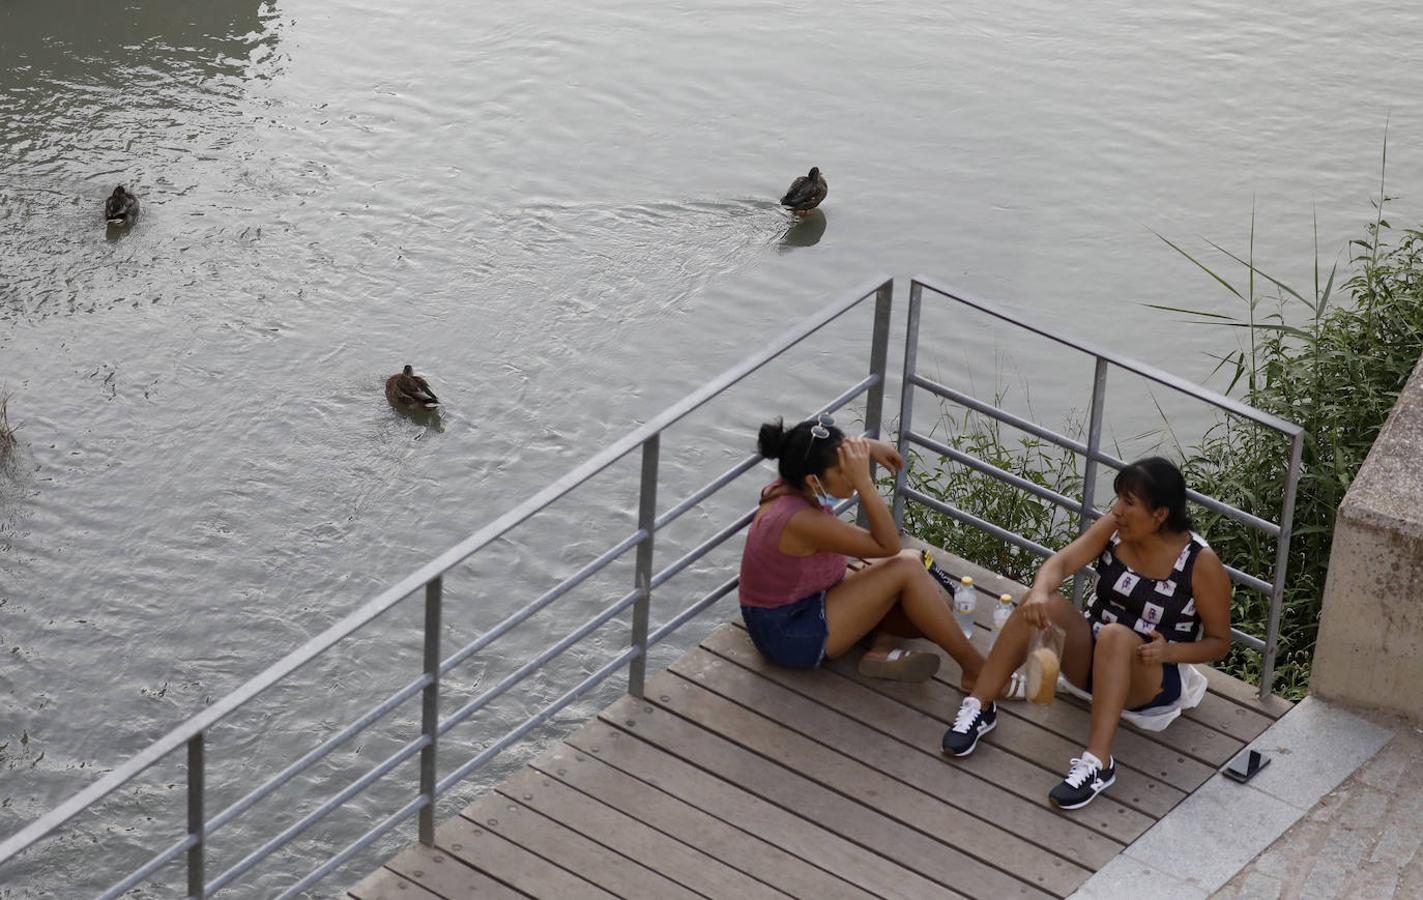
(737, 779)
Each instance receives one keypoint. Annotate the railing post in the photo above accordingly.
(906, 397)
(879, 363)
(1089, 468)
(196, 785)
(1282, 558)
(646, 522)
(430, 709)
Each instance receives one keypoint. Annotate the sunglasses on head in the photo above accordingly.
(821, 429)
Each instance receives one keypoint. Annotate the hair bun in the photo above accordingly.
(772, 439)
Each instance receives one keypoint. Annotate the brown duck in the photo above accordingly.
(409, 389)
(806, 192)
(121, 208)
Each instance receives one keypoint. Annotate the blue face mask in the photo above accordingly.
(826, 501)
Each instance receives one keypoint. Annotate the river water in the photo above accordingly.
(565, 217)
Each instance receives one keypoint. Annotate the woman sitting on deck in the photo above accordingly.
(799, 604)
(1163, 598)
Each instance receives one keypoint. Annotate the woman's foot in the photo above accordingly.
(899, 665)
(971, 723)
(1086, 778)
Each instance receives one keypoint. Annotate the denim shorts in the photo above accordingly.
(793, 635)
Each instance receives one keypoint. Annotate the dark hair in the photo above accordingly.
(799, 453)
(1157, 483)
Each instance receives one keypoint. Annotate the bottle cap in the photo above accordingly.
(967, 580)
(1005, 598)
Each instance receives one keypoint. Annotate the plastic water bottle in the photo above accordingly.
(965, 605)
(1001, 612)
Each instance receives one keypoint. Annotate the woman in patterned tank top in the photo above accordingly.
(1162, 599)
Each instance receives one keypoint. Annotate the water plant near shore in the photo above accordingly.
(1333, 366)
(7, 431)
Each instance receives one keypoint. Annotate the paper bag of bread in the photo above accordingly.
(1043, 663)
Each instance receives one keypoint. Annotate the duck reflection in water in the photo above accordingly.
(428, 418)
(805, 231)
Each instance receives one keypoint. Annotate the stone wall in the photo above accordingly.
(1370, 647)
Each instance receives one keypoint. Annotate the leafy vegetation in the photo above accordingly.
(1334, 367)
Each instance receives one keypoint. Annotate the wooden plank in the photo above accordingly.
(917, 818)
(570, 850)
(670, 815)
(1048, 751)
(786, 788)
(480, 848)
(444, 875)
(1229, 718)
(383, 884)
(659, 756)
(884, 748)
(855, 760)
(631, 838)
(1246, 695)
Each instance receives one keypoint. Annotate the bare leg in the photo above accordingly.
(1119, 681)
(864, 599)
(1011, 649)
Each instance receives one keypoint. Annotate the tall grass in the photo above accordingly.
(1333, 365)
(7, 432)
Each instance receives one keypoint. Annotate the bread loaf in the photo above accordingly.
(1042, 671)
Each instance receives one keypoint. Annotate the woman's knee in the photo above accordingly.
(1115, 638)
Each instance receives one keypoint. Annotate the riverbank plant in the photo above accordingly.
(1332, 364)
(7, 432)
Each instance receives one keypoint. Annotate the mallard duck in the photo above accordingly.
(806, 192)
(409, 389)
(121, 208)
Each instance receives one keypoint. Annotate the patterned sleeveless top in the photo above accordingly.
(1166, 605)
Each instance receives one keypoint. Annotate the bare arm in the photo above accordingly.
(1088, 546)
(1211, 588)
(813, 531)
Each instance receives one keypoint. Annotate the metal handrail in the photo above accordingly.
(1092, 453)
(192, 732)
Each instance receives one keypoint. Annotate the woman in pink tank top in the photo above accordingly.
(799, 603)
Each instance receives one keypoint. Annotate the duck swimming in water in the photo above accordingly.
(806, 192)
(408, 389)
(121, 208)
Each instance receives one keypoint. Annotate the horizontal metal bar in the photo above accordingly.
(535, 721)
(548, 597)
(707, 490)
(318, 753)
(1248, 640)
(1001, 415)
(523, 671)
(318, 814)
(973, 462)
(368, 611)
(149, 868)
(692, 611)
(702, 549)
(957, 514)
(1209, 502)
(1175, 382)
(750, 462)
(357, 846)
(1249, 581)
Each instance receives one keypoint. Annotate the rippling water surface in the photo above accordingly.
(565, 218)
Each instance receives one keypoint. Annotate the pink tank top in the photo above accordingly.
(770, 578)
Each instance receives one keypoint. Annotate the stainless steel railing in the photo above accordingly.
(1092, 454)
(428, 580)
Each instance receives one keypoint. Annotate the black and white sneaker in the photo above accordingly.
(972, 723)
(1085, 780)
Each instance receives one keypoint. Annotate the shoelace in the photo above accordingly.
(1080, 773)
(964, 720)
